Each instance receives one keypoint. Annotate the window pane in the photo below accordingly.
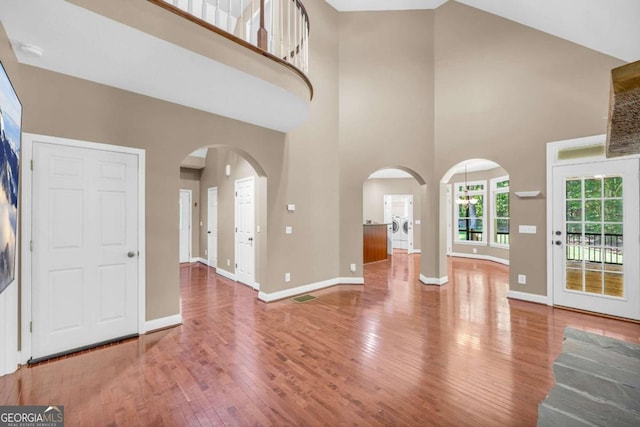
(592, 188)
(574, 189)
(593, 228)
(574, 227)
(613, 187)
(593, 210)
(502, 184)
(502, 225)
(613, 210)
(574, 210)
(502, 205)
(613, 229)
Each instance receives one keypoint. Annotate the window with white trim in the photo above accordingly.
(500, 212)
(470, 212)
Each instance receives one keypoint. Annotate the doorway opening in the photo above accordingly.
(229, 214)
(477, 219)
(392, 215)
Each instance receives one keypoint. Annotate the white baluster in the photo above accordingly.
(252, 31)
(229, 17)
(216, 18)
(281, 26)
(204, 10)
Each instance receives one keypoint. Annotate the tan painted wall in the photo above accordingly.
(386, 115)
(190, 180)
(63, 106)
(503, 91)
(373, 193)
(485, 249)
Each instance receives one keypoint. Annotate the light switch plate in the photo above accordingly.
(287, 277)
(527, 229)
(291, 208)
(288, 229)
(417, 221)
(522, 279)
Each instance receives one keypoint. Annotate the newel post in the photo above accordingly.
(262, 31)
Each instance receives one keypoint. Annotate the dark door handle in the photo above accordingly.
(558, 242)
(208, 232)
(251, 239)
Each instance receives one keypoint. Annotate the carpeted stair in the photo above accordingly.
(597, 383)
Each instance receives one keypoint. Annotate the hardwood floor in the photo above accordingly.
(392, 352)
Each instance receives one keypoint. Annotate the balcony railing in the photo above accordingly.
(278, 28)
(595, 247)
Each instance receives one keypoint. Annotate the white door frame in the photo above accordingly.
(26, 219)
(209, 191)
(449, 223)
(235, 227)
(190, 218)
(552, 160)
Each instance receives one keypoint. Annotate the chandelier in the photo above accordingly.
(465, 199)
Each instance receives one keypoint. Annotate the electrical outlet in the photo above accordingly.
(522, 279)
(257, 228)
(228, 262)
(205, 252)
(288, 229)
(352, 268)
(287, 277)
(475, 250)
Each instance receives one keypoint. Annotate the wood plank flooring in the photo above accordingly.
(392, 352)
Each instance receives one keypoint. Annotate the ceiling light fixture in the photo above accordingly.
(31, 50)
(465, 199)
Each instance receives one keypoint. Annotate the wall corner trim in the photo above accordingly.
(200, 260)
(482, 257)
(162, 323)
(286, 293)
(256, 286)
(225, 273)
(434, 280)
(526, 296)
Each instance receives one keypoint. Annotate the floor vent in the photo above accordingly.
(303, 298)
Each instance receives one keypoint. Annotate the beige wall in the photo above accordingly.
(190, 180)
(386, 115)
(503, 91)
(373, 193)
(482, 249)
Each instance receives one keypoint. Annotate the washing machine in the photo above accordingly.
(400, 232)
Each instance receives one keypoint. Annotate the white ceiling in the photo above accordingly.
(389, 174)
(607, 26)
(83, 44)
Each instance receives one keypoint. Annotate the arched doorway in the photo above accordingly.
(228, 213)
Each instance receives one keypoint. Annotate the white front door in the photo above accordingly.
(595, 236)
(409, 224)
(212, 226)
(85, 247)
(184, 222)
(245, 224)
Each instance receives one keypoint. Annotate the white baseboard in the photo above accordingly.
(200, 260)
(482, 257)
(256, 286)
(161, 323)
(286, 293)
(525, 296)
(416, 251)
(434, 280)
(350, 280)
(225, 273)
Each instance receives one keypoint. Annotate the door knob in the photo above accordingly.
(131, 254)
(558, 242)
(250, 239)
(208, 232)
(558, 233)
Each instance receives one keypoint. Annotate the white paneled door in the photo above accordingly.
(595, 237)
(184, 222)
(85, 247)
(212, 227)
(245, 225)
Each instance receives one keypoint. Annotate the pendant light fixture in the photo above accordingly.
(465, 199)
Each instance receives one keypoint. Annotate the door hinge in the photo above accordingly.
(31, 246)
(31, 164)
(30, 326)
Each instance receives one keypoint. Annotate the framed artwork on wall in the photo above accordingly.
(10, 137)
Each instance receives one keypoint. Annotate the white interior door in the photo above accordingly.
(212, 226)
(409, 202)
(184, 216)
(85, 247)
(245, 225)
(596, 240)
(388, 219)
(449, 221)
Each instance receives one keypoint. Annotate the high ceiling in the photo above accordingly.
(607, 26)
